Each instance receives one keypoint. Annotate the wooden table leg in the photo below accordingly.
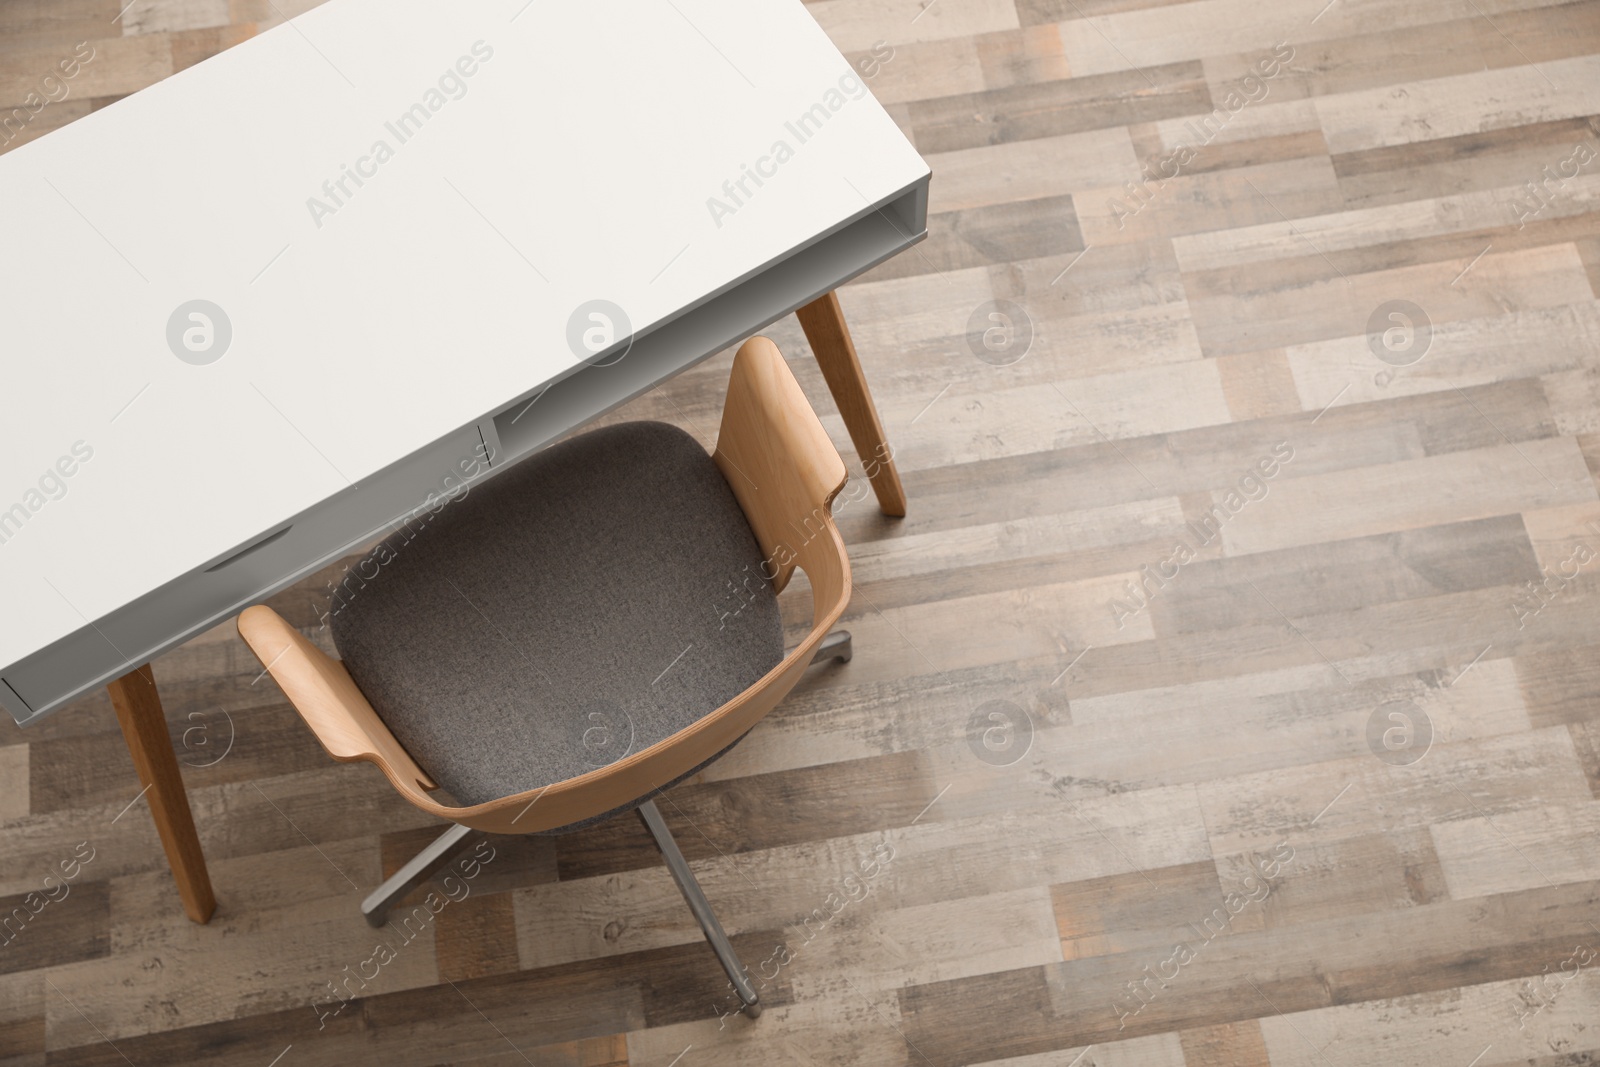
(823, 322)
(144, 727)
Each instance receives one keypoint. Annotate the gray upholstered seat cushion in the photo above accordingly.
(582, 605)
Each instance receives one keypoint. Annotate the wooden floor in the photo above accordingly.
(1230, 695)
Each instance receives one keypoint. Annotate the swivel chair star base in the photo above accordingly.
(454, 841)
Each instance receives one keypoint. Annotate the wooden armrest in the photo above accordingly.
(779, 462)
(329, 700)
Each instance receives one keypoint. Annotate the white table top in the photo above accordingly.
(574, 163)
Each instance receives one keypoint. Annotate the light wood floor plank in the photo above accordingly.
(1463, 103)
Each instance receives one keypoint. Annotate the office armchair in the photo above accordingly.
(584, 630)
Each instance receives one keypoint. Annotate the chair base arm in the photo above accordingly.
(419, 869)
(835, 646)
(695, 897)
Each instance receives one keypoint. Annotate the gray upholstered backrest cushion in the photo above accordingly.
(590, 601)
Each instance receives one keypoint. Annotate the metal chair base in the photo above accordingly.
(835, 646)
(695, 897)
(420, 868)
(455, 840)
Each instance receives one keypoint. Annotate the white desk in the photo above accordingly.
(399, 208)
